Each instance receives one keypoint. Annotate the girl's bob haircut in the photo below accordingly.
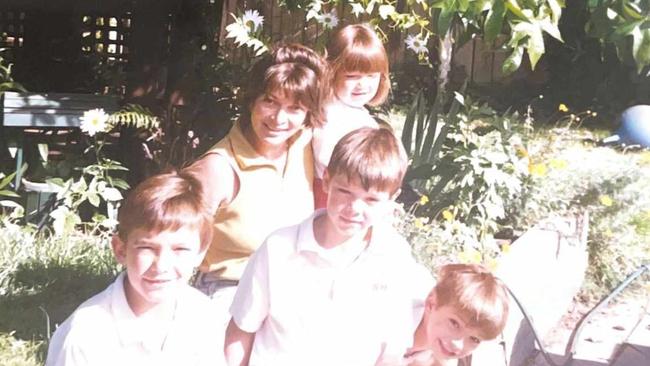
(357, 48)
(292, 70)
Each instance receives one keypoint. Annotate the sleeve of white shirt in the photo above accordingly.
(251, 303)
(63, 351)
(416, 283)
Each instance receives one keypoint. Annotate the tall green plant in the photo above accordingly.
(467, 161)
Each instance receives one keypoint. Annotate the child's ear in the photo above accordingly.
(431, 302)
(396, 194)
(119, 249)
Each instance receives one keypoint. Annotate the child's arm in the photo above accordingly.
(249, 308)
(238, 345)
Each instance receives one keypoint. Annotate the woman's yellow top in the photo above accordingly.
(268, 199)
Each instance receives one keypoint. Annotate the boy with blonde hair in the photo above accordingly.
(468, 305)
(149, 315)
(320, 293)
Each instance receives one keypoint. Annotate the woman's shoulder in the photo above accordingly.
(216, 172)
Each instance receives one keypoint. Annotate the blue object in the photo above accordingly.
(635, 126)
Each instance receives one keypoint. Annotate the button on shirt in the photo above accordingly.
(341, 306)
(105, 331)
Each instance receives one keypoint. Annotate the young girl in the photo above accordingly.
(358, 76)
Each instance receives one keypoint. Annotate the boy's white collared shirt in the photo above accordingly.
(105, 331)
(342, 306)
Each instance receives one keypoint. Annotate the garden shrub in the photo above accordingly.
(16, 352)
(44, 277)
(612, 185)
(477, 168)
(494, 174)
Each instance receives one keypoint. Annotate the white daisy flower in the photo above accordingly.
(416, 44)
(252, 19)
(93, 121)
(328, 20)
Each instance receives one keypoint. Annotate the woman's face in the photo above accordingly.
(275, 117)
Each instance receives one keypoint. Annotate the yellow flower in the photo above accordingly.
(505, 248)
(645, 158)
(418, 223)
(470, 256)
(521, 152)
(558, 164)
(492, 264)
(562, 108)
(448, 215)
(606, 200)
(537, 169)
(423, 200)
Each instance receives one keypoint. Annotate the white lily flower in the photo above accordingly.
(239, 32)
(252, 19)
(93, 121)
(328, 20)
(357, 9)
(416, 44)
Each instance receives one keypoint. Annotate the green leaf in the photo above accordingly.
(94, 199)
(444, 21)
(43, 151)
(7, 193)
(463, 5)
(627, 28)
(6, 180)
(551, 29)
(535, 46)
(118, 183)
(515, 9)
(556, 10)
(409, 122)
(512, 62)
(641, 48)
(494, 21)
(633, 11)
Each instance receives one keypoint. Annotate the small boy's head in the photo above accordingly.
(164, 231)
(468, 305)
(363, 177)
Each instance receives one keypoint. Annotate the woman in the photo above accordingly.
(259, 177)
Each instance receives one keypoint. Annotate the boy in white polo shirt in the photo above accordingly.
(149, 315)
(337, 289)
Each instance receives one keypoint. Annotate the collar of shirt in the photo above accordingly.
(133, 330)
(244, 153)
(340, 256)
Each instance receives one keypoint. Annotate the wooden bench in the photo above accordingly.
(23, 111)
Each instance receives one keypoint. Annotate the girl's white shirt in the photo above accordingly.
(340, 119)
